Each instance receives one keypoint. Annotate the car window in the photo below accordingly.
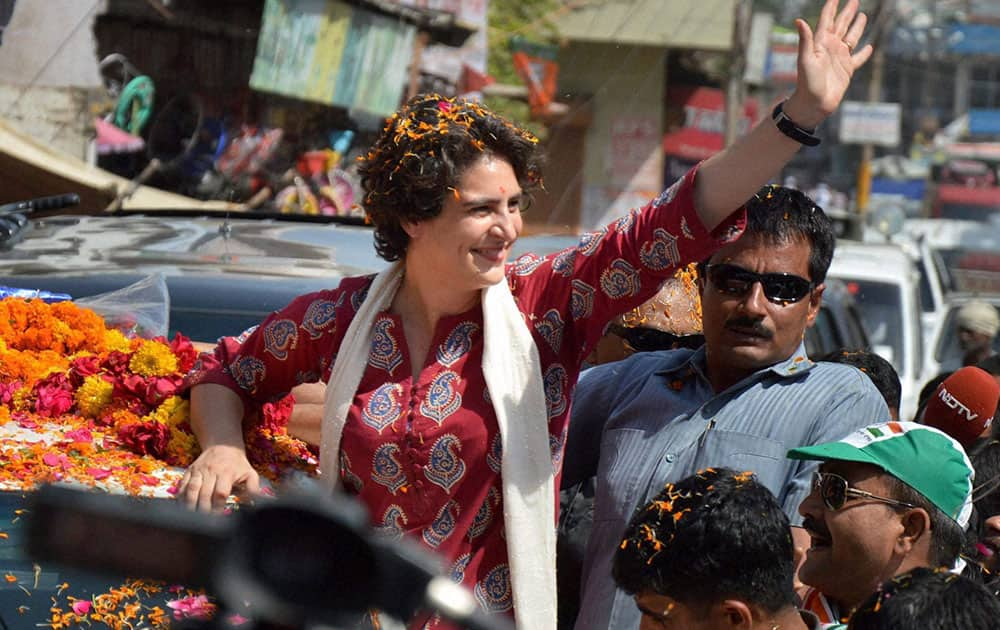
(881, 307)
(948, 352)
(822, 338)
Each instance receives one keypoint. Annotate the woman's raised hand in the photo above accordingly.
(827, 59)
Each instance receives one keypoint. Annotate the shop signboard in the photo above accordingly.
(870, 123)
(324, 50)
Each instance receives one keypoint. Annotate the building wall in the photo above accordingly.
(623, 161)
(50, 43)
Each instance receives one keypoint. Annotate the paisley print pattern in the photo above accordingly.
(554, 381)
(445, 468)
(668, 195)
(457, 570)
(320, 315)
(556, 444)
(620, 280)
(564, 262)
(442, 398)
(661, 252)
(443, 526)
(590, 241)
(383, 407)
(686, 230)
(458, 344)
(485, 515)
(246, 333)
(393, 523)
(386, 470)
(526, 264)
(494, 458)
(625, 223)
(550, 327)
(493, 592)
(358, 297)
(385, 352)
(581, 301)
(280, 336)
(248, 371)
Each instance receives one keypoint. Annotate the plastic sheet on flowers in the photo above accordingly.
(141, 309)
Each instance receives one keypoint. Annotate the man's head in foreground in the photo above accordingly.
(712, 551)
(887, 499)
(928, 598)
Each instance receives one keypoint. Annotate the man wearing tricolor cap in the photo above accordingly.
(887, 498)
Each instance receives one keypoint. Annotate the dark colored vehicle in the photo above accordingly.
(223, 274)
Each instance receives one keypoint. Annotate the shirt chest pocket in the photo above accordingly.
(763, 456)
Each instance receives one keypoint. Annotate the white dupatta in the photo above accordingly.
(513, 375)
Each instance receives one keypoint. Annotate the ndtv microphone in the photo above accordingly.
(963, 404)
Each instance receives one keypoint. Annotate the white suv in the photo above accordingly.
(885, 284)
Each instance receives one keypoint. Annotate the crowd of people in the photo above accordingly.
(729, 481)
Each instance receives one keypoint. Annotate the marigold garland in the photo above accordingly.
(82, 402)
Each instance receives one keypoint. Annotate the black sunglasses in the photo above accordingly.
(780, 288)
(648, 339)
(834, 490)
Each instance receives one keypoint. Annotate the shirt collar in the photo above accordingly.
(796, 364)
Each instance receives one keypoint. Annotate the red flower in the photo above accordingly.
(158, 389)
(444, 106)
(116, 362)
(7, 391)
(145, 438)
(182, 347)
(276, 414)
(82, 367)
(54, 396)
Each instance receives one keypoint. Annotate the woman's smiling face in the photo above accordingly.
(467, 244)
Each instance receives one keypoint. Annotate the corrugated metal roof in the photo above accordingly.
(699, 24)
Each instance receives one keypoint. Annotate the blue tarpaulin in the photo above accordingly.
(984, 122)
(974, 39)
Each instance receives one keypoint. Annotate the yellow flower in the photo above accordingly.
(22, 399)
(153, 358)
(93, 396)
(117, 341)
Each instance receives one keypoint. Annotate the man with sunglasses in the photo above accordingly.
(887, 499)
(742, 400)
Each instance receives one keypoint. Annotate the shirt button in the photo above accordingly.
(669, 457)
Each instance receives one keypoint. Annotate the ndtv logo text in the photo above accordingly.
(954, 403)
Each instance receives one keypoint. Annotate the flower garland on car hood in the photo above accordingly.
(83, 403)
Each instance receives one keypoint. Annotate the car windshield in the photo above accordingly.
(881, 307)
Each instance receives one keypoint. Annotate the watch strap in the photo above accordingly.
(788, 127)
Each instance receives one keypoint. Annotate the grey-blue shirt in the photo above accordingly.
(654, 418)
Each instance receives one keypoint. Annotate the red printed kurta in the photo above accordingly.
(423, 451)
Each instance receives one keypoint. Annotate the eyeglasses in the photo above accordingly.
(780, 288)
(835, 490)
(643, 339)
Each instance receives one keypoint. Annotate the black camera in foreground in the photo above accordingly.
(304, 559)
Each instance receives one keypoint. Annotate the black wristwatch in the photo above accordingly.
(790, 129)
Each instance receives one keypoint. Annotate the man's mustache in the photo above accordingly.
(755, 326)
(812, 525)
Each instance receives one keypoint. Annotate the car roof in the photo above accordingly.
(884, 262)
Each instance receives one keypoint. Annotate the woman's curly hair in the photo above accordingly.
(421, 154)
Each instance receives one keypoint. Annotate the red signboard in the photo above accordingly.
(699, 117)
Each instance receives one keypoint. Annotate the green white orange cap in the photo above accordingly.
(926, 459)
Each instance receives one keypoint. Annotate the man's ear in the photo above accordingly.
(815, 300)
(735, 614)
(916, 524)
